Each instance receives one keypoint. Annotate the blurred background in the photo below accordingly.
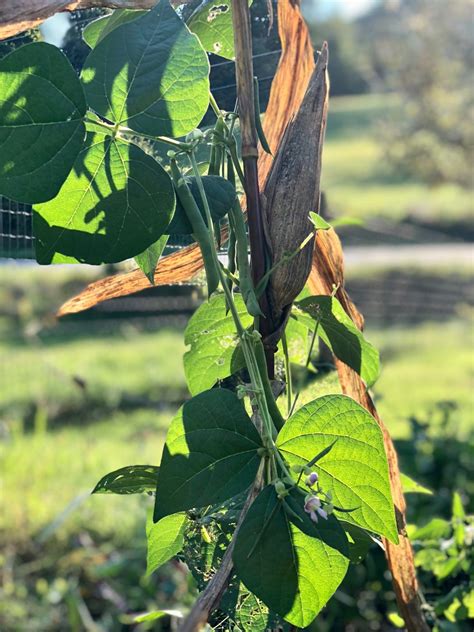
(95, 392)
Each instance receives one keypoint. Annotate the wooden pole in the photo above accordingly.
(249, 140)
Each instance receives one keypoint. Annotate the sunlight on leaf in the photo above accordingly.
(210, 453)
(116, 202)
(355, 470)
(150, 74)
(42, 107)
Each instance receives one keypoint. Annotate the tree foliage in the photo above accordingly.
(424, 50)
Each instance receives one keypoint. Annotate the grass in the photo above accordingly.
(48, 477)
(46, 469)
(359, 182)
(127, 363)
(421, 366)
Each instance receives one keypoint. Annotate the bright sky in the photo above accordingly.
(346, 8)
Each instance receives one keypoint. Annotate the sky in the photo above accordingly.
(348, 9)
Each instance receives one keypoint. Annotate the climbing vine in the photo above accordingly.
(294, 493)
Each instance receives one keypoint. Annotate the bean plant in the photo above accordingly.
(299, 492)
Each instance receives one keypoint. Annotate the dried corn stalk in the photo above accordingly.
(292, 191)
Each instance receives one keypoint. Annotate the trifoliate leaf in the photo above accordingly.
(164, 540)
(340, 334)
(96, 31)
(212, 23)
(148, 259)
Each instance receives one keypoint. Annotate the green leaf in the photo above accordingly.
(340, 334)
(396, 620)
(451, 566)
(157, 614)
(359, 542)
(151, 74)
(294, 566)
(297, 340)
(410, 486)
(220, 195)
(212, 23)
(42, 107)
(355, 470)
(115, 203)
(132, 479)
(165, 539)
(318, 222)
(457, 605)
(428, 559)
(96, 31)
(210, 453)
(458, 508)
(148, 259)
(435, 529)
(214, 352)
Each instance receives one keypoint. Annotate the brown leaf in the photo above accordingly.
(292, 192)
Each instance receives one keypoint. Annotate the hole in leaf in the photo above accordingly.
(217, 10)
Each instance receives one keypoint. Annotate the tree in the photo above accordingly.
(348, 74)
(423, 49)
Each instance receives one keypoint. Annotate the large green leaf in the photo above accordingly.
(148, 259)
(293, 565)
(212, 23)
(355, 469)
(96, 31)
(132, 479)
(220, 194)
(214, 352)
(115, 203)
(164, 540)
(359, 542)
(210, 453)
(340, 334)
(42, 107)
(150, 74)
(410, 486)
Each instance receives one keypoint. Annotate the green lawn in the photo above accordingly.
(359, 182)
(45, 469)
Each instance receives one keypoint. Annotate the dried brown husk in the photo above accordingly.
(292, 191)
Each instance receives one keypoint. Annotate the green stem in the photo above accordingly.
(308, 359)
(285, 259)
(232, 149)
(177, 144)
(289, 381)
(214, 105)
(248, 339)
